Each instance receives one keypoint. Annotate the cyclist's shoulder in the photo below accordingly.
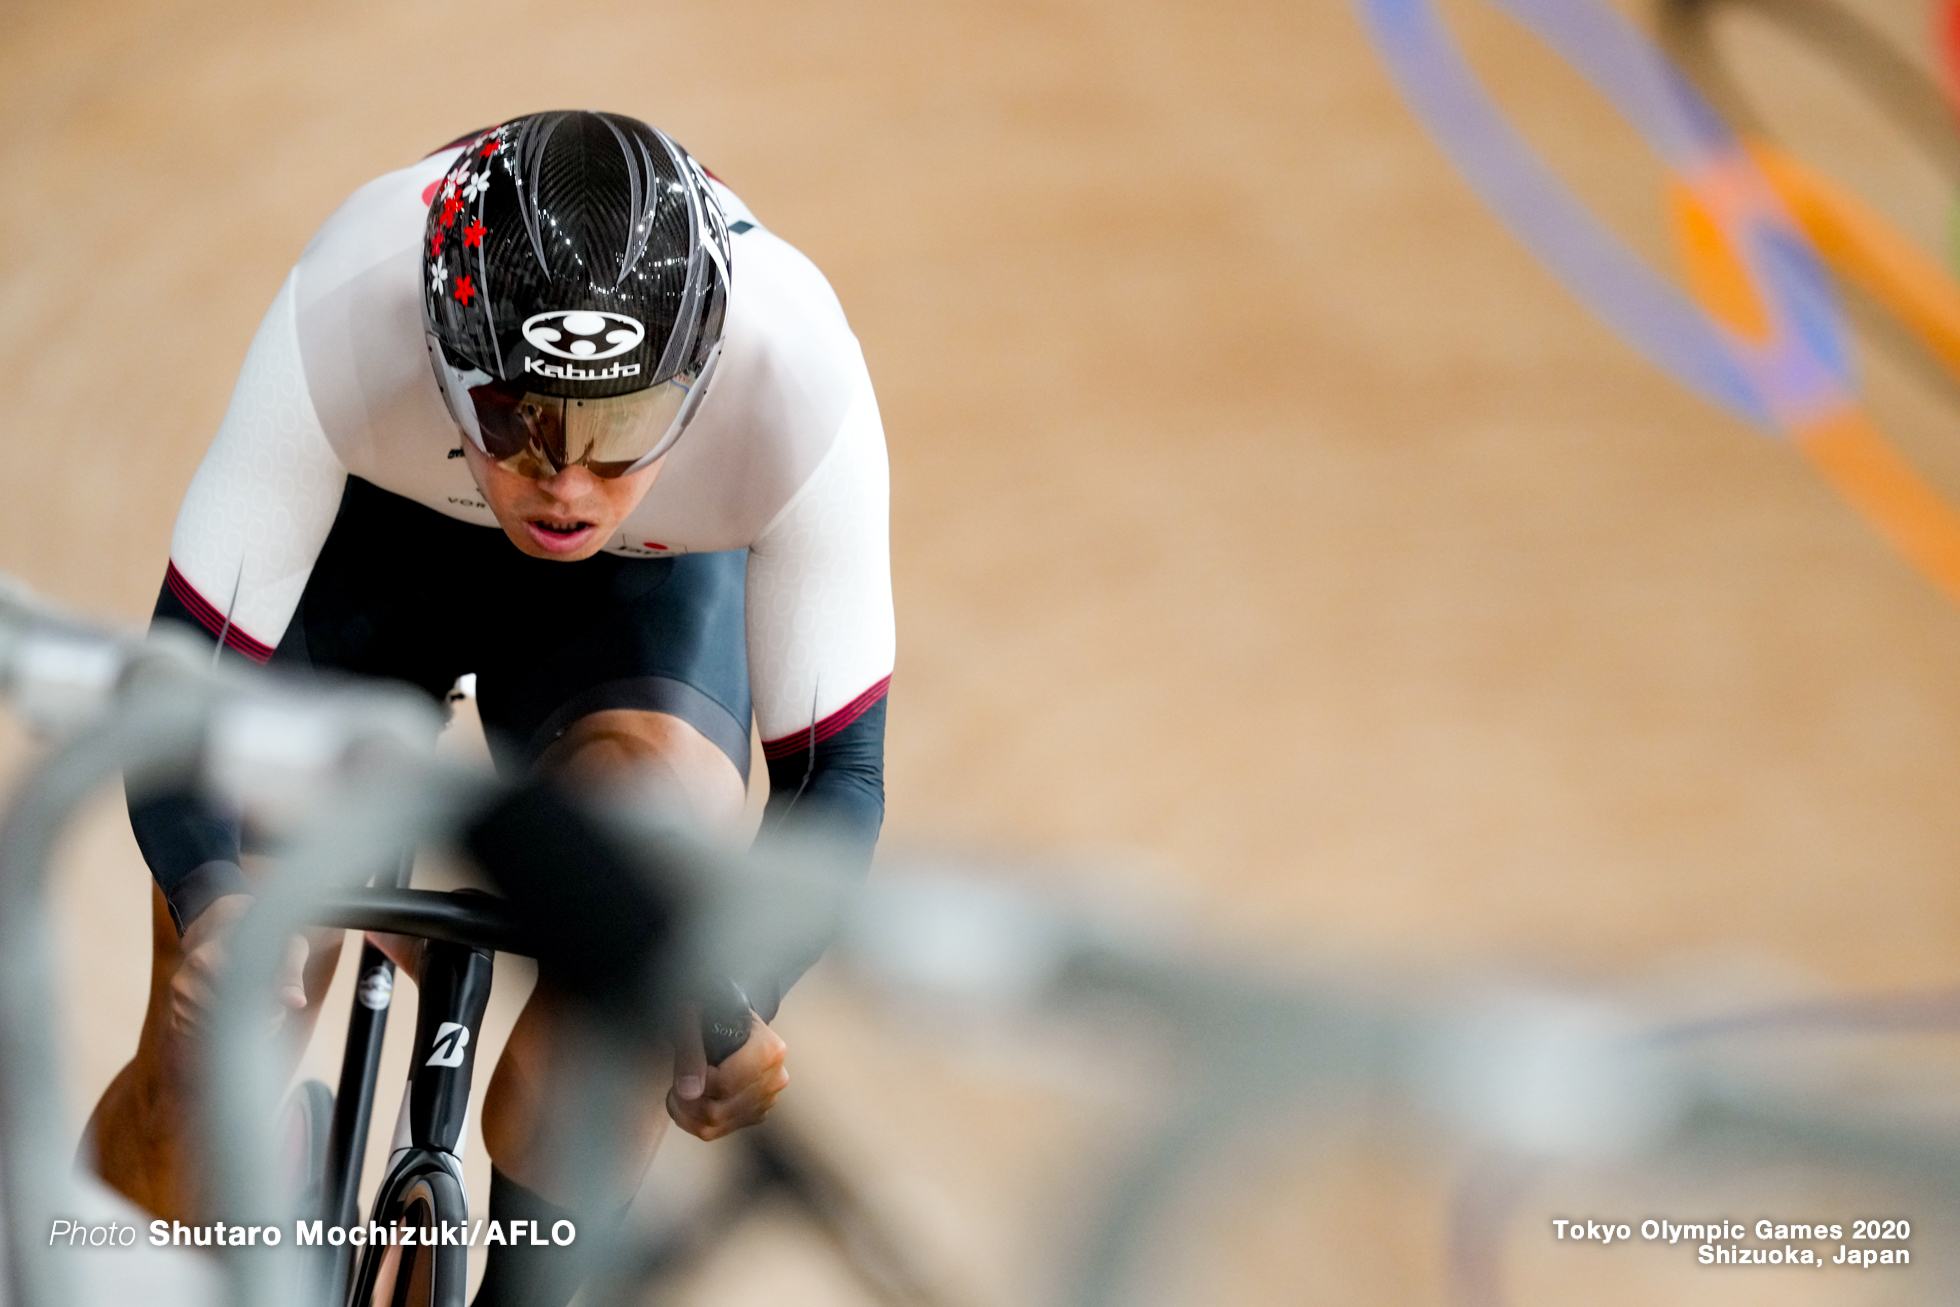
(782, 298)
(357, 324)
(790, 374)
(380, 222)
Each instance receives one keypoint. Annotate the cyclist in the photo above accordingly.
(552, 408)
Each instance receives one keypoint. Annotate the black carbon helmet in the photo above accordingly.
(577, 255)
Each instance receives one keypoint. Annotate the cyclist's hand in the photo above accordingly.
(711, 1101)
(193, 989)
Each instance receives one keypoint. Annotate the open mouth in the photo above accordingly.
(559, 537)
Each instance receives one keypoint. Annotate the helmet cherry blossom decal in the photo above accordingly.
(462, 186)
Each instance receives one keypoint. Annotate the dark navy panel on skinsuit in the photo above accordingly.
(403, 592)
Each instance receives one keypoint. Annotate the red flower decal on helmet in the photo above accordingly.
(450, 208)
(473, 234)
(435, 243)
(490, 147)
(464, 289)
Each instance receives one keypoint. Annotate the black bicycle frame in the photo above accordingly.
(466, 919)
(464, 931)
(424, 1171)
(455, 989)
(353, 1101)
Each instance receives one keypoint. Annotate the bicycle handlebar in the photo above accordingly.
(477, 920)
(473, 920)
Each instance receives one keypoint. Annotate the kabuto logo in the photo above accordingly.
(584, 335)
(573, 372)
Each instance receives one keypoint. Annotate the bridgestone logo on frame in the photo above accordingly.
(450, 1041)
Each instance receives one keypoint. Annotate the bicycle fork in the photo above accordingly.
(423, 1189)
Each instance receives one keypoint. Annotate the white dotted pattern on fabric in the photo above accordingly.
(820, 621)
(262, 502)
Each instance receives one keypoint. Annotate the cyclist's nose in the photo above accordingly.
(568, 484)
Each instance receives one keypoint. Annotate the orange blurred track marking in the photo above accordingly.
(1853, 455)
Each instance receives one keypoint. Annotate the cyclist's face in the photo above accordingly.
(565, 516)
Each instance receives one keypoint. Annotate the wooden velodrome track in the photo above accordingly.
(1273, 537)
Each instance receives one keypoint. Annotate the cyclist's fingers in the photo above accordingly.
(194, 987)
(683, 1112)
(192, 998)
(764, 1051)
(291, 985)
(193, 995)
(700, 1118)
(729, 1099)
(711, 1118)
(690, 1059)
(729, 1111)
(757, 1094)
(739, 1114)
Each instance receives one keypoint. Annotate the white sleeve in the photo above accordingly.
(820, 630)
(262, 502)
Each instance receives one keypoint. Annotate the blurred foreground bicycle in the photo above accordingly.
(1529, 1073)
(423, 1191)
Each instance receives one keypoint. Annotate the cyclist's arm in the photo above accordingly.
(247, 536)
(821, 646)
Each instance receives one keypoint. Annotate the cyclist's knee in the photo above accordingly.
(656, 757)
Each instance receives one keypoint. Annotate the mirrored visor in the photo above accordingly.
(608, 435)
(540, 435)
